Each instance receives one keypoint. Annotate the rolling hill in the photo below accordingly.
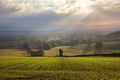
(116, 34)
(109, 47)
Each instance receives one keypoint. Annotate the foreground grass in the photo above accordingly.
(59, 68)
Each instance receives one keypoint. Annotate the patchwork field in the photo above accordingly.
(59, 68)
(109, 47)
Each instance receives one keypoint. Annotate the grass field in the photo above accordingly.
(59, 68)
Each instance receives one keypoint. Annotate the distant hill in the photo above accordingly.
(114, 34)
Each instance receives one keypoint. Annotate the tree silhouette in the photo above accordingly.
(45, 46)
(26, 47)
(99, 45)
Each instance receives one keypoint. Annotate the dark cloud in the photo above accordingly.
(30, 22)
(48, 20)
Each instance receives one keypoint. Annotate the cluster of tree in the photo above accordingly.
(37, 45)
(43, 45)
(98, 47)
(40, 47)
(37, 53)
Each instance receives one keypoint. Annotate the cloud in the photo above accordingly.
(110, 7)
(58, 6)
(105, 15)
(58, 14)
(30, 22)
(101, 24)
(6, 9)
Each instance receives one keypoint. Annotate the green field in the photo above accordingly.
(108, 47)
(59, 68)
(80, 49)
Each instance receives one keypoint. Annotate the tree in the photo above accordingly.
(89, 42)
(45, 46)
(99, 45)
(88, 47)
(26, 47)
(37, 53)
(60, 52)
(52, 43)
(39, 46)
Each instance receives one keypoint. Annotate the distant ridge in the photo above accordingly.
(114, 34)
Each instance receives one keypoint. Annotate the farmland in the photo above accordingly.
(59, 40)
(109, 47)
(59, 68)
(12, 52)
(16, 65)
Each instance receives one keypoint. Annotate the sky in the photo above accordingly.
(48, 15)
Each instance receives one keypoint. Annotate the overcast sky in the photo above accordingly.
(59, 14)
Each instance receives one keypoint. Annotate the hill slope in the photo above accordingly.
(117, 34)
